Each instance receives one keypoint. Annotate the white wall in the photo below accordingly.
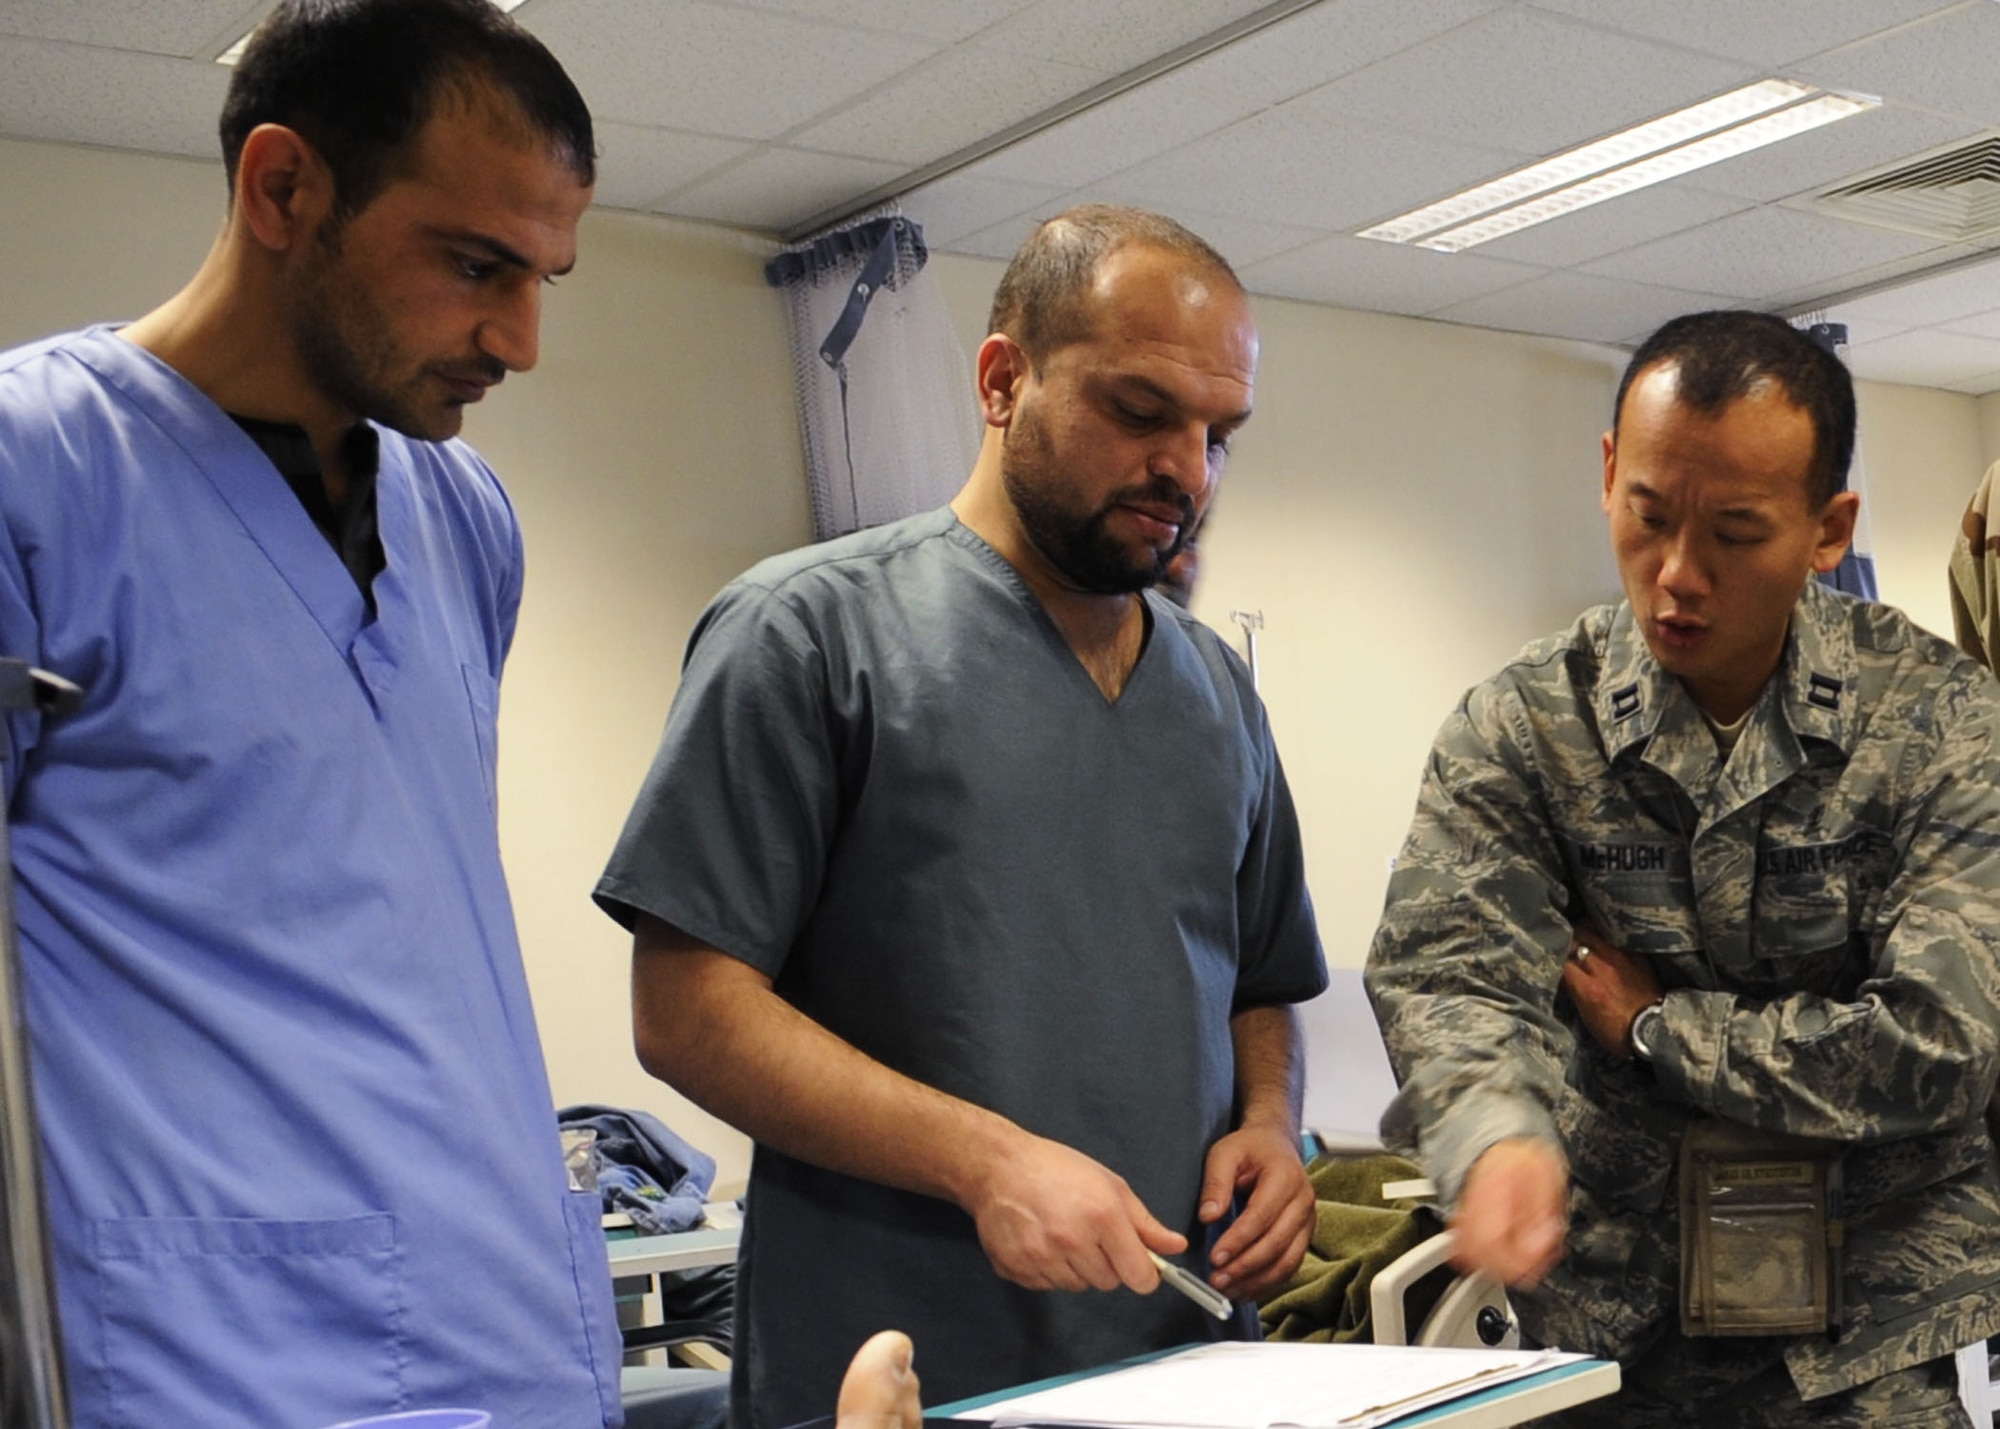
(1412, 502)
(95, 235)
(1923, 454)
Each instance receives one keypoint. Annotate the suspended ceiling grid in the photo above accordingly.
(1277, 146)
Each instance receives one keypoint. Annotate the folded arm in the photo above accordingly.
(1915, 1050)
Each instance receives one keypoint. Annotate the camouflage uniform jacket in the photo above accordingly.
(1822, 910)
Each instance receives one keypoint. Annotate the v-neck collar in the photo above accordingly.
(246, 481)
(351, 530)
(977, 545)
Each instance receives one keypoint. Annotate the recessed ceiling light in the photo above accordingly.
(235, 52)
(1660, 149)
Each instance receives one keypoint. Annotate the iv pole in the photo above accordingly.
(1252, 621)
(32, 1390)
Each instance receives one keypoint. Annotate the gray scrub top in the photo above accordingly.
(888, 782)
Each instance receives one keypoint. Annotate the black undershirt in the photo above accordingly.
(351, 531)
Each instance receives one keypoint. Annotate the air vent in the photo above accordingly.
(1953, 194)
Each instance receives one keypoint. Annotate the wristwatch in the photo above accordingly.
(1646, 1030)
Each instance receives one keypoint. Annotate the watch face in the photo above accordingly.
(1643, 1027)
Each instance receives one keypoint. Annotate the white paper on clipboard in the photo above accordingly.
(1272, 1386)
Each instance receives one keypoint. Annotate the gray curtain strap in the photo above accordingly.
(880, 267)
(880, 242)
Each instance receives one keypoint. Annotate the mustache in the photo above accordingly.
(489, 370)
(1161, 491)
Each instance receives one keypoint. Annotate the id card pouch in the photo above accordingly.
(1760, 1243)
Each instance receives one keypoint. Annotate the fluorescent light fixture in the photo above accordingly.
(1593, 158)
(1660, 149)
(235, 52)
(1673, 163)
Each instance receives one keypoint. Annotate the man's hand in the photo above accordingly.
(1050, 1218)
(1608, 987)
(880, 1389)
(1262, 1250)
(1512, 1212)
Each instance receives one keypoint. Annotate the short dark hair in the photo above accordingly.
(1720, 356)
(1040, 301)
(357, 79)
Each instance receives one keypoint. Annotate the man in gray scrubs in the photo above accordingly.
(967, 882)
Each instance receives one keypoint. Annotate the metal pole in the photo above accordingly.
(32, 1391)
(1252, 621)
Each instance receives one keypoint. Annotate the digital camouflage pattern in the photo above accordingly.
(1743, 1384)
(1822, 911)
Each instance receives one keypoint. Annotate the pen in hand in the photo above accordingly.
(1192, 1286)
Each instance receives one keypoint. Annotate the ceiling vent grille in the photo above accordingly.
(1953, 194)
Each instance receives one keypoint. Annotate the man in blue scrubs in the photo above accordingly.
(967, 880)
(302, 1158)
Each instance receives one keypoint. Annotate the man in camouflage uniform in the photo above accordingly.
(1727, 850)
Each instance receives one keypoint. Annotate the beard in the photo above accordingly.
(352, 356)
(1078, 543)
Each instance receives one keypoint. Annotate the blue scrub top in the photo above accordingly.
(301, 1151)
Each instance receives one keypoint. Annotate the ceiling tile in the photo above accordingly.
(111, 97)
(932, 19)
(949, 101)
(1119, 133)
(1305, 171)
(707, 69)
(1907, 268)
(1527, 80)
(1380, 277)
(1110, 35)
(1982, 325)
(1925, 65)
(1925, 358)
(1574, 305)
(1331, 39)
(963, 204)
(1977, 386)
(1768, 34)
(1760, 253)
(1833, 153)
(189, 29)
(1930, 302)
(1241, 240)
(1246, 239)
(1004, 239)
(777, 189)
(1614, 225)
(636, 167)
